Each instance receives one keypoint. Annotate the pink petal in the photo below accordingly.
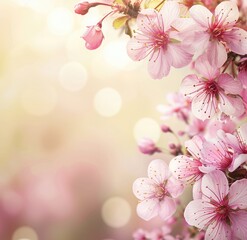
(238, 194)
(218, 230)
(216, 53)
(198, 213)
(179, 56)
(158, 171)
(232, 106)
(174, 187)
(170, 12)
(227, 12)
(194, 146)
(201, 15)
(148, 208)
(215, 185)
(237, 40)
(136, 49)
(146, 17)
(239, 160)
(159, 64)
(238, 221)
(203, 67)
(203, 106)
(167, 208)
(197, 192)
(242, 76)
(229, 85)
(189, 85)
(143, 188)
(243, 132)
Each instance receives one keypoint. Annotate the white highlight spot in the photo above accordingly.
(116, 212)
(60, 21)
(107, 102)
(25, 233)
(147, 128)
(73, 76)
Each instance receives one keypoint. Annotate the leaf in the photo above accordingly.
(120, 22)
(154, 4)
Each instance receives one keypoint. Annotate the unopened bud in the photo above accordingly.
(82, 8)
(165, 128)
(147, 146)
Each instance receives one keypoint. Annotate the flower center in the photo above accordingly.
(211, 87)
(160, 192)
(160, 40)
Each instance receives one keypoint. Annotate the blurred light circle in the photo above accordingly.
(115, 55)
(60, 21)
(116, 212)
(107, 102)
(147, 128)
(25, 233)
(39, 99)
(73, 76)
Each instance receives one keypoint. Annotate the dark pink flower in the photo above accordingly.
(222, 209)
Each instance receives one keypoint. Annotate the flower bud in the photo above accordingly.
(147, 146)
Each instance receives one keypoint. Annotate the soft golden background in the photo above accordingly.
(70, 121)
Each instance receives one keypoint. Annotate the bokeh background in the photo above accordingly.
(70, 121)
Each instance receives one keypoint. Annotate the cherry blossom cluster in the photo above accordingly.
(210, 152)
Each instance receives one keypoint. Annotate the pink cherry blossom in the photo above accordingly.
(93, 36)
(156, 192)
(222, 209)
(212, 93)
(147, 146)
(178, 106)
(157, 39)
(216, 34)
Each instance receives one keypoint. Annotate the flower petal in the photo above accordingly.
(167, 208)
(201, 15)
(148, 208)
(219, 230)
(158, 171)
(238, 221)
(174, 187)
(237, 40)
(238, 194)
(159, 64)
(199, 213)
(240, 159)
(136, 49)
(189, 86)
(229, 85)
(170, 12)
(227, 12)
(143, 188)
(216, 53)
(215, 185)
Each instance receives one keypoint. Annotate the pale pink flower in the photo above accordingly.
(222, 209)
(237, 144)
(147, 146)
(93, 36)
(178, 106)
(157, 39)
(212, 93)
(156, 192)
(216, 34)
(140, 234)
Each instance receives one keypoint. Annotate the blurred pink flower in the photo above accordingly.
(147, 146)
(222, 210)
(156, 38)
(213, 92)
(156, 192)
(215, 34)
(93, 36)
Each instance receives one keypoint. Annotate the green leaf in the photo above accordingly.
(120, 22)
(128, 29)
(154, 4)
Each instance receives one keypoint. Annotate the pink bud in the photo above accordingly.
(82, 8)
(165, 128)
(93, 36)
(147, 146)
